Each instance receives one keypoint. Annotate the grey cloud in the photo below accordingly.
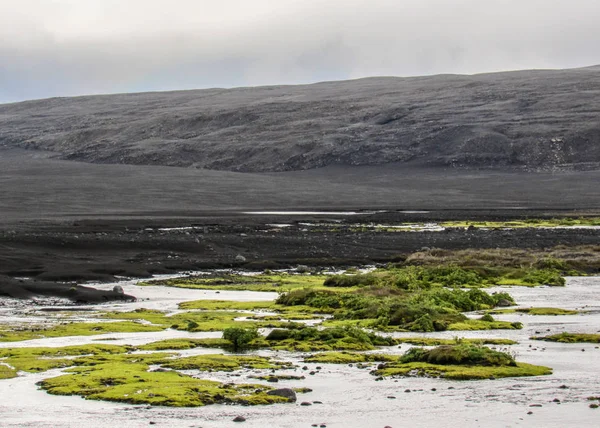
(195, 45)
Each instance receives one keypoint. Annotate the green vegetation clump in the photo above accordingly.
(459, 362)
(461, 354)
(390, 308)
(240, 337)
(570, 338)
(308, 339)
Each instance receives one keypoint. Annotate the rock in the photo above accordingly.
(239, 419)
(240, 259)
(302, 269)
(391, 397)
(272, 379)
(407, 390)
(284, 392)
(502, 303)
(317, 402)
(118, 289)
(306, 403)
(312, 373)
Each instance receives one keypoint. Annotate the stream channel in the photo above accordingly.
(350, 396)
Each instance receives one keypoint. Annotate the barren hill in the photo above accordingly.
(535, 120)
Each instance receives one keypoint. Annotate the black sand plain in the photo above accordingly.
(86, 183)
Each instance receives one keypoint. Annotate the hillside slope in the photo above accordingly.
(532, 120)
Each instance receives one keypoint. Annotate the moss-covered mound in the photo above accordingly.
(570, 338)
(393, 308)
(459, 362)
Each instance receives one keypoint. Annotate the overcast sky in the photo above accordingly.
(72, 47)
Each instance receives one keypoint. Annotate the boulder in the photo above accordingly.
(284, 392)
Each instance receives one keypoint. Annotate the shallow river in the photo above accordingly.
(351, 397)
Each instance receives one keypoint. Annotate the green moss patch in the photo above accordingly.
(263, 282)
(7, 372)
(133, 383)
(348, 357)
(213, 305)
(472, 325)
(458, 372)
(195, 320)
(570, 338)
(431, 341)
(536, 311)
(227, 363)
(181, 344)
(43, 359)
(12, 333)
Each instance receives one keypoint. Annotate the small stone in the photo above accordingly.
(535, 405)
(312, 373)
(391, 397)
(306, 403)
(305, 368)
(450, 387)
(434, 389)
(556, 400)
(239, 419)
(563, 387)
(240, 259)
(594, 406)
(318, 367)
(152, 423)
(407, 390)
(530, 413)
(317, 402)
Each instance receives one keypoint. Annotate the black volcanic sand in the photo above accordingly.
(72, 221)
(99, 249)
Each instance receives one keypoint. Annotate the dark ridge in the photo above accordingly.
(528, 120)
